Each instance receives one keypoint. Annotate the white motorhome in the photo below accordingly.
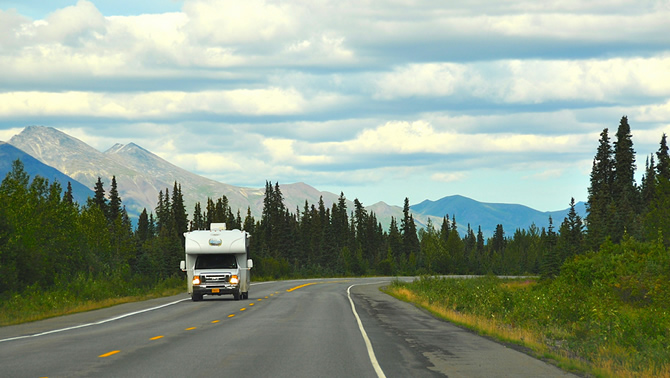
(217, 262)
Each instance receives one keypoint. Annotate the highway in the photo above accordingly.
(301, 328)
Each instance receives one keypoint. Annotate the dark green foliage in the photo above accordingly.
(551, 261)
(600, 199)
(39, 225)
(613, 304)
(570, 235)
(625, 194)
(408, 231)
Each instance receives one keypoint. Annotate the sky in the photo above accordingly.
(499, 101)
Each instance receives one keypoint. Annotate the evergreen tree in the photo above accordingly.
(68, 196)
(163, 213)
(663, 165)
(142, 230)
(179, 215)
(551, 261)
(445, 229)
(198, 222)
(570, 238)
(340, 223)
(99, 198)
(648, 184)
(114, 208)
(395, 243)
(657, 219)
(480, 254)
(625, 192)
(408, 231)
(249, 222)
(599, 217)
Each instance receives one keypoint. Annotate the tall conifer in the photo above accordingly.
(599, 215)
(625, 192)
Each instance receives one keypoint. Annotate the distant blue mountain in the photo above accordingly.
(489, 215)
(33, 167)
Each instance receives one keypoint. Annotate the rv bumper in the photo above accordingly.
(215, 290)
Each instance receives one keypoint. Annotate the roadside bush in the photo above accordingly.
(611, 308)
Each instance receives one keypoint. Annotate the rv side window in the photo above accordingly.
(216, 262)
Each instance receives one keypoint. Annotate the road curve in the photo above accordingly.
(304, 328)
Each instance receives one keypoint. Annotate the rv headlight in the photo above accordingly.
(196, 280)
(234, 280)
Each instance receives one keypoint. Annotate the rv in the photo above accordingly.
(217, 262)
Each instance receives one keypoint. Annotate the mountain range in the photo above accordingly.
(140, 175)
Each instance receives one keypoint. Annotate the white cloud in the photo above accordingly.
(430, 79)
(160, 104)
(7, 134)
(448, 176)
(349, 91)
(420, 137)
(238, 22)
(532, 81)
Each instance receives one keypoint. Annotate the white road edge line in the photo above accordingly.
(107, 320)
(96, 323)
(368, 345)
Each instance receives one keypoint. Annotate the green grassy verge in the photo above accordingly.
(81, 294)
(578, 329)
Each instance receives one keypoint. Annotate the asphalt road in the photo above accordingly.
(306, 328)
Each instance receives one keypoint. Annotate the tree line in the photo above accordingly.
(46, 237)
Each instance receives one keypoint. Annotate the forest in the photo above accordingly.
(49, 241)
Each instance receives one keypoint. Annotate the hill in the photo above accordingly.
(140, 175)
(489, 215)
(32, 166)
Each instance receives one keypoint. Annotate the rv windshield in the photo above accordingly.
(216, 262)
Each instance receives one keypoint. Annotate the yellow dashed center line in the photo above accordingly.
(213, 321)
(298, 287)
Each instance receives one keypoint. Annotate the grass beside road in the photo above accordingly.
(80, 295)
(591, 337)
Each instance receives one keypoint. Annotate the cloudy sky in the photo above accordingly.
(499, 101)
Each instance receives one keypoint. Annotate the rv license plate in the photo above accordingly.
(215, 290)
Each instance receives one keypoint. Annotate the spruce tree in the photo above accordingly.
(445, 229)
(179, 215)
(570, 237)
(114, 208)
(249, 222)
(551, 261)
(142, 230)
(408, 230)
(648, 184)
(599, 217)
(626, 199)
(99, 198)
(198, 222)
(657, 219)
(663, 158)
(68, 197)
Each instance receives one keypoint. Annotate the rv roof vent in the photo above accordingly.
(217, 226)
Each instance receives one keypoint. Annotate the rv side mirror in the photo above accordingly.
(182, 265)
(250, 263)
